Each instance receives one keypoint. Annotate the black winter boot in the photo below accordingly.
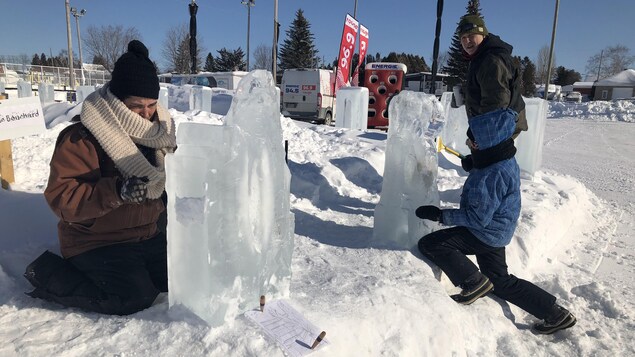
(473, 288)
(54, 274)
(42, 268)
(560, 319)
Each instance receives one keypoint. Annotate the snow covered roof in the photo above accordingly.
(624, 78)
(583, 84)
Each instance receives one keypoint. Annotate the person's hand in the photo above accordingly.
(431, 213)
(134, 189)
(467, 164)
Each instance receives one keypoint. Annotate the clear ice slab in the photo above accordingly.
(230, 228)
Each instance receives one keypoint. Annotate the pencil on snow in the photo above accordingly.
(318, 339)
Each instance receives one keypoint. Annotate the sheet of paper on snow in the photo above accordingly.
(293, 333)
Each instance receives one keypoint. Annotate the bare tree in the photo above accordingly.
(263, 57)
(442, 60)
(610, 61)
(109, 42)
(541, 65)
(22, 58)
(176, 49)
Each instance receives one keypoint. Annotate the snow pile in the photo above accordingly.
(370, 301)
(600, 110)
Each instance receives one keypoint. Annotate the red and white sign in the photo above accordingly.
(310, 87)
(347, 48)
(363, 48)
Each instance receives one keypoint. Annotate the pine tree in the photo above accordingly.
(44, 61)
(210, 63)
(298, 49)
(228, 61)
(566, 76)
(528, 77)
(36, 60)
(457, 64)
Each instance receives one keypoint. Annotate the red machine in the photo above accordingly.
(383, 80)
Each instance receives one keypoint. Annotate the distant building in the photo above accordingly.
(585, 88)
(619, 86)
(420, 82)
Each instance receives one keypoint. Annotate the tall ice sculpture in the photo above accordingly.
(410, 170)
(230, 228)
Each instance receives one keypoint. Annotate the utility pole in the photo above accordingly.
(553, 39)
(600, 65)
(71, 74)
(77, 15)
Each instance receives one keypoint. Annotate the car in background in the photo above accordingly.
(573, 97)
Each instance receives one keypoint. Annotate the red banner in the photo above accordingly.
(363, 48)
(347, 48)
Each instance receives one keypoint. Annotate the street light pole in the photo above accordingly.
(77, 15)
(249, 4)
(274, 51)
(71, 74)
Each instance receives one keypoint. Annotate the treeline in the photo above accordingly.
(106, 43)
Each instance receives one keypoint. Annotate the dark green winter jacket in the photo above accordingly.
(493, 82)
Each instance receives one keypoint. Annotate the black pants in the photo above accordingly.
(120, 279)
(448, 248)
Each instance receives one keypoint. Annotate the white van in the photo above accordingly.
(308, 94)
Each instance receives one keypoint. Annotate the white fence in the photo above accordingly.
(10, 73)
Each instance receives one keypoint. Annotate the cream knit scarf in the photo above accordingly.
(118, 129)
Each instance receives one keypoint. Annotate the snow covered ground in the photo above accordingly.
(574, 239)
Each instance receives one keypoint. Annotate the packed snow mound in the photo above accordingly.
(612, 110)
(370, 301)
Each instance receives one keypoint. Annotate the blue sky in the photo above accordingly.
(585, 27)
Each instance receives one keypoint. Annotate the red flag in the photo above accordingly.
(363, 48)
(347, 48)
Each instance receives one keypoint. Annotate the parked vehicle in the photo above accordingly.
(573, 97)
(226, 80)
(308, 94)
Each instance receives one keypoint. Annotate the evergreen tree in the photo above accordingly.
(457, 64)
(528, 77)
(414, 63)
(298, 49)
(228, 61)
(210, 63)
(97, 59)
(44, 61)
(36, 60)
(565, 77)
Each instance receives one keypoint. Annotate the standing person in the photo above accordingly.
(493, 80)
(106, 184)
(484, 225)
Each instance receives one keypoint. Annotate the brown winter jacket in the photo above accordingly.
(82, 190)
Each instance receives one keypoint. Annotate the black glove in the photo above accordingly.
(134, 189)
(431, 213)
(466, 163)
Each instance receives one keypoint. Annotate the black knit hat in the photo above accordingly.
(471, 24)
(135, 74)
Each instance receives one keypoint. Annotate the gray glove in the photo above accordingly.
(134, 189)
